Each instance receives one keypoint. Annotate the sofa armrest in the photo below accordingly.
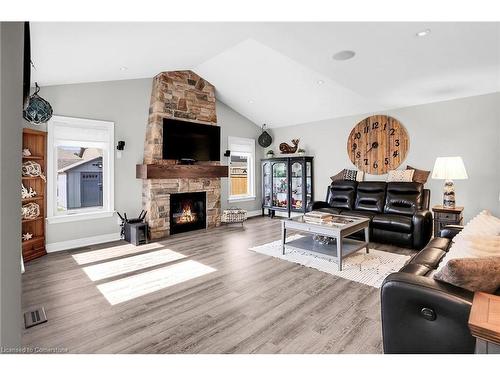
(423, 315)
(422, 228)
(317, 205)
(450, 231)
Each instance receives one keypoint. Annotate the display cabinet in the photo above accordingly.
(287, 184)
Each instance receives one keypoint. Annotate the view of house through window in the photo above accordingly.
(79, 178)
(239, 175)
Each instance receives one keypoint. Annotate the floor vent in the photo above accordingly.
(34, 317)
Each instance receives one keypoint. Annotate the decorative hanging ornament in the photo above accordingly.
(38, 110)
(265, 139)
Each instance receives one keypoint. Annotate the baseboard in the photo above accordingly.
(254, 213)
(81, 242)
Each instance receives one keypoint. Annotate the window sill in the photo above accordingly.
(242, 199)
(79, 217)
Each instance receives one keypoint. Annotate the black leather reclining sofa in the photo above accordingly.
(398, 211)
(421, 315)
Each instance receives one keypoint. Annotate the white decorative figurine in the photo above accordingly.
(25, 193)
(27, 236)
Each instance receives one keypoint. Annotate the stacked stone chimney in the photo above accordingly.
(185, 96)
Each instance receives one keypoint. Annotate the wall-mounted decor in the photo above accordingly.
(285, 148)
(38, 110)
(378, 144)
(32, 169)
(265, 138)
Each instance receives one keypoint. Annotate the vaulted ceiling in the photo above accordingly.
(283, 73)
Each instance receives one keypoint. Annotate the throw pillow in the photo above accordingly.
(420, 175)
(339, 176)
(474, 274)
(480, 237)
(350, 174)
(400, 176)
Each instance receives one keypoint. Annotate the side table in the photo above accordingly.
(446, 216)
(484, 323)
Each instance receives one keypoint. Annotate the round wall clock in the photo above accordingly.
(378, 144)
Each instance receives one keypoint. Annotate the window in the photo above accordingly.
(241, 168)
(80, 172)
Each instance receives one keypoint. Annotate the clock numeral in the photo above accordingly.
(385, 126)
(375, 165)
(367, 129)
(392, 131)
(375, 125)
(396, 142)
(386, 161)
(366, 161)
(395, 154)
(354, 146)
(357, 135)
(358, 155)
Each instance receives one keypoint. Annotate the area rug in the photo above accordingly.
(370, 269)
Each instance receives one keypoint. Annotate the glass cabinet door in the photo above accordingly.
(267, 184)
(308, 182)
(280, 184)
(297, 179)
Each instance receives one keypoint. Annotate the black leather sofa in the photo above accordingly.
(398, 211)
(421, 315)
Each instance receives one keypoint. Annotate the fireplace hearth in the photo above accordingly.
(187, 212)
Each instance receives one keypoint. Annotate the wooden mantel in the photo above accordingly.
(157, 171)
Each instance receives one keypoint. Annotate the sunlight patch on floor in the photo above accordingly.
(135, 286)
(130, 264)
(113, 252)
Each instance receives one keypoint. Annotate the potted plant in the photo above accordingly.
(270, 154)
(301, 152)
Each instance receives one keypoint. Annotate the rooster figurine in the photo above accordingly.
(285, 148)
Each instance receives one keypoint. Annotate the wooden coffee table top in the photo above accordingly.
(484, 318)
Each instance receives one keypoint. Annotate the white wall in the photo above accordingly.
(126, 103)
(11, 83)
(468, 127)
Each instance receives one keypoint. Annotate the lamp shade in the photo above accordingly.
(449, 168)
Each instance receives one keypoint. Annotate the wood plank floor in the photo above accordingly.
(251, 303)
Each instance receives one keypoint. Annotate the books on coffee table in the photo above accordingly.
(318, 217)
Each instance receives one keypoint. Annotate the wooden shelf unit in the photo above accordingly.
(36, 142)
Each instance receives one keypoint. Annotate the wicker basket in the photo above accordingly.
(233, 215)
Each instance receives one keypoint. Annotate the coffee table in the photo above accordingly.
(338, 232)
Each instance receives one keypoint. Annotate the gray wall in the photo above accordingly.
(126, 103)
(11, 80)
(468, 127)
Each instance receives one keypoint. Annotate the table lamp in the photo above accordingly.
(449, 168)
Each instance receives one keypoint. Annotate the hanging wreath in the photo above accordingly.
(32, 169)
(38, 110)
(30, 211)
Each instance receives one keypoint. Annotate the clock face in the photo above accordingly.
(378, 144)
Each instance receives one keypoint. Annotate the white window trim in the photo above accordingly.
(53, 217)
(249, 145)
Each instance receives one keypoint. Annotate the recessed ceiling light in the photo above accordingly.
(423, 32)
(320, 81)
(123, 68)
(344, 55)
(250, 101)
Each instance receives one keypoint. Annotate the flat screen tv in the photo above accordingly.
(188, 140)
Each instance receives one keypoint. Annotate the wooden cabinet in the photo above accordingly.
(444, 216)
(287, 184)
(36, 142)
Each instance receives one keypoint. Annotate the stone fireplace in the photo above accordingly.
(185, 96)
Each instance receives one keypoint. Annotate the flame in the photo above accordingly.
(187, 216)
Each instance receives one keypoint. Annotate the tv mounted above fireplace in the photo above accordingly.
(189, 140)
